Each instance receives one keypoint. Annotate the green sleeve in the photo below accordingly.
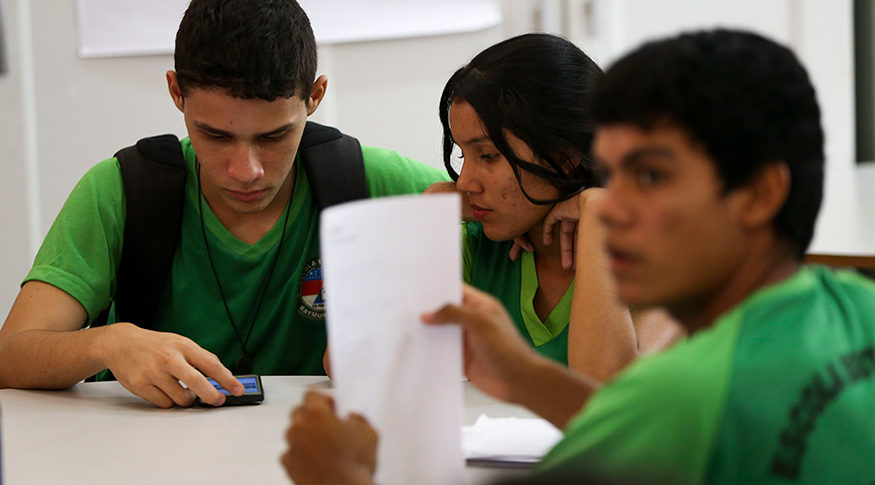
(82, 249)
(657, 421)
(389, 173)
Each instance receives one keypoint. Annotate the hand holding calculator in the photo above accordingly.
(253, 392)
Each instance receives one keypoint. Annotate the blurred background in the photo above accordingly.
(81, 79)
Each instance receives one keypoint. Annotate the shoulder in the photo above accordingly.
(846, 286)
(100, 186)
(661, 415)
(687, 379)
(819, 301)
(390, 173)
(107, 171)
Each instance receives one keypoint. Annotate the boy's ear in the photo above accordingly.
(317, 93)
(767, 194)
(175, 92)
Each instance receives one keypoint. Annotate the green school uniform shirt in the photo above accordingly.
(487, 267)
(82, 251)
(779, 390)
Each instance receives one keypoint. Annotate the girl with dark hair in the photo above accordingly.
(518, 114)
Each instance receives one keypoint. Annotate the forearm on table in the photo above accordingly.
(601, 336)
(552, 391)
(47, 359)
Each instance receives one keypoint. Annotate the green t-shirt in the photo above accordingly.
(488, 268)
(779, 390)
(82, 251)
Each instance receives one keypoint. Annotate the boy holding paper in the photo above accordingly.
(712, 151)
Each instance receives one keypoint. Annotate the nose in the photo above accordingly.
(245, 165)
(613, 208)
(468, 180)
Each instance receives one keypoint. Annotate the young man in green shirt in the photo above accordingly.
(245, 285)
(712, 152)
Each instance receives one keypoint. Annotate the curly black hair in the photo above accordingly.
(745, 98)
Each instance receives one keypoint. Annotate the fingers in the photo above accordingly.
(159, 385)
(315, 413)
(151, 365)
(360, 423)
(211, 366)
(196, 385)
(170, 387)
(314, 404)
(519, 244)
(324, 449)
(475, 304)
(367, 440)
(525, 242)
(567, 240)
(317, 400)
(155, 396)
(201, 387)
(447, 314)
(190, 360)
(566, 212)
(549, 222)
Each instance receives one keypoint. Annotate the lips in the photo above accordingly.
(480, 212)
(621, 260)
(247, 196)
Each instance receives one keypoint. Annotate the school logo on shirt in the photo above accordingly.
(312, 291)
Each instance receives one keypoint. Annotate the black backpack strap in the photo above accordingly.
(154, 173)
(334, 165)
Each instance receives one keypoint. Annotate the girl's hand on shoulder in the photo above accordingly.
(520, 244)
(568, 215)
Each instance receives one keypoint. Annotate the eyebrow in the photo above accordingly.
(636, 156)
(210, 129)
(476, 139)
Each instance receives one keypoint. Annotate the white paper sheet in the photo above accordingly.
(385, 263)
(508, 441)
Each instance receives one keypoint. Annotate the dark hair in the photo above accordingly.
(748, 101)
(252, 49)
(535, 86)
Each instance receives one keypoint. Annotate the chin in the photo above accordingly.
(502, 233)
(630, 295)
(250, 208)
(494, 235)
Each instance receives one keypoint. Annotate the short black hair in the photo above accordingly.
(536, 86)
(251, 49)
(745, 98)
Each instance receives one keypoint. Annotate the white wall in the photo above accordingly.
(14, 259)
(384, 92)
(821, 34)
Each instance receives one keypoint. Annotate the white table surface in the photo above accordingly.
(99, 433)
